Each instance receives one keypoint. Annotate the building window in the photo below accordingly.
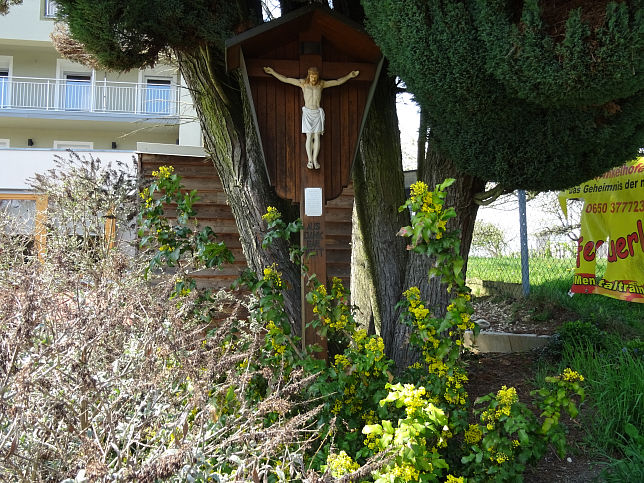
(158, 96)
(51, 9)
(4, 88)
(78, 92)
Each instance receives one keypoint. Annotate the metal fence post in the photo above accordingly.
(523, 234)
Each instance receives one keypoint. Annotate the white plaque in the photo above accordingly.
(313, 201)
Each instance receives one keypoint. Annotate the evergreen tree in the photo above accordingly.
(534, 94)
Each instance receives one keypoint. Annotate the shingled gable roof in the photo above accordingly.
(343, 33)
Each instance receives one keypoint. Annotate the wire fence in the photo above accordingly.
(495, 255)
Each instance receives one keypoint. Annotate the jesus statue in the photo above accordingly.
(312, 113)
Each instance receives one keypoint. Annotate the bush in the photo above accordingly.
(112, 375)
(581, 334)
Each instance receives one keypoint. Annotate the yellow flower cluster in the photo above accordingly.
(473, 434)
(501, 457)
(418, 188)
(145, 196)
(420, 194)
(369, 417)
(164, 172)
(337, 407)
(376, 345)
(337, 286)
(278, 348)
(453, 386)
(342, 361)
(371, 441)
(406, 472)
(349, 390)
(435, 366)
(413, 398)
(339, 324)
(359, 336)
(341, 464)
(412, 293)
(506, 396)
(454, 479)
(571, 376)
(271, 214)
(271, 274)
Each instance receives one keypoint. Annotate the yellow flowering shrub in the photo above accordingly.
(341, 464)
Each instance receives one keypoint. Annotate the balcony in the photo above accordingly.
(79, 96)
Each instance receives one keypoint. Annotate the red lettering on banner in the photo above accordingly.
(589, 254)
(612, 257)
(620, 246)
(632, 238)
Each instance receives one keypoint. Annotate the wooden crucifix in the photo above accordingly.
(313, 116)
(303, 49)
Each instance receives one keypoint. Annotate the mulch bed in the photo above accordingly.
(488, 372)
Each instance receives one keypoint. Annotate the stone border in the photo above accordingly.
(504, 341)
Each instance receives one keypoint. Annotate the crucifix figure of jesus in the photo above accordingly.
(312, 113)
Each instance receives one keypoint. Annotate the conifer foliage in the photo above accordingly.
(531, 94)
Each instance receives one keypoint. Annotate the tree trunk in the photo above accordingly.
(230, 140)
(363, 293)
(379, 190)
(460, 195)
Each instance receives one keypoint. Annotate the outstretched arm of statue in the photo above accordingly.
(281, 78)
(341, 80)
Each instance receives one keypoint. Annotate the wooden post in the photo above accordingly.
(40, 230)
(312, 202)
(312, 239)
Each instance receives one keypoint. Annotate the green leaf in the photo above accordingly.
(372, 428)
(448, 182)
(632, 431)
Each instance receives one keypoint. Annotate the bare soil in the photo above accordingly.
(488, 372)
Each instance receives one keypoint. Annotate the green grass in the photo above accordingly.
(542, 270)
(614, 383)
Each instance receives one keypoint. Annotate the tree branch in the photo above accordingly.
(490, 196)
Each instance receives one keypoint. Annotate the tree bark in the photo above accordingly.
(460, 195)
(379, 189)
(230, 140)
(363, 292)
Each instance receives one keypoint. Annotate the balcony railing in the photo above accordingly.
(79, 95)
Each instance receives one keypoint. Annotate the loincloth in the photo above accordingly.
(312, 120)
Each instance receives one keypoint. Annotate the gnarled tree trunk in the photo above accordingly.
(229, 138)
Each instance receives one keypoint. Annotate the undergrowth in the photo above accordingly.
(116, 367)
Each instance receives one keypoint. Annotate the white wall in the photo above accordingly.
(25, 163)
(26, 23)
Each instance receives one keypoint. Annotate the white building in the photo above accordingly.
(49, 104)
